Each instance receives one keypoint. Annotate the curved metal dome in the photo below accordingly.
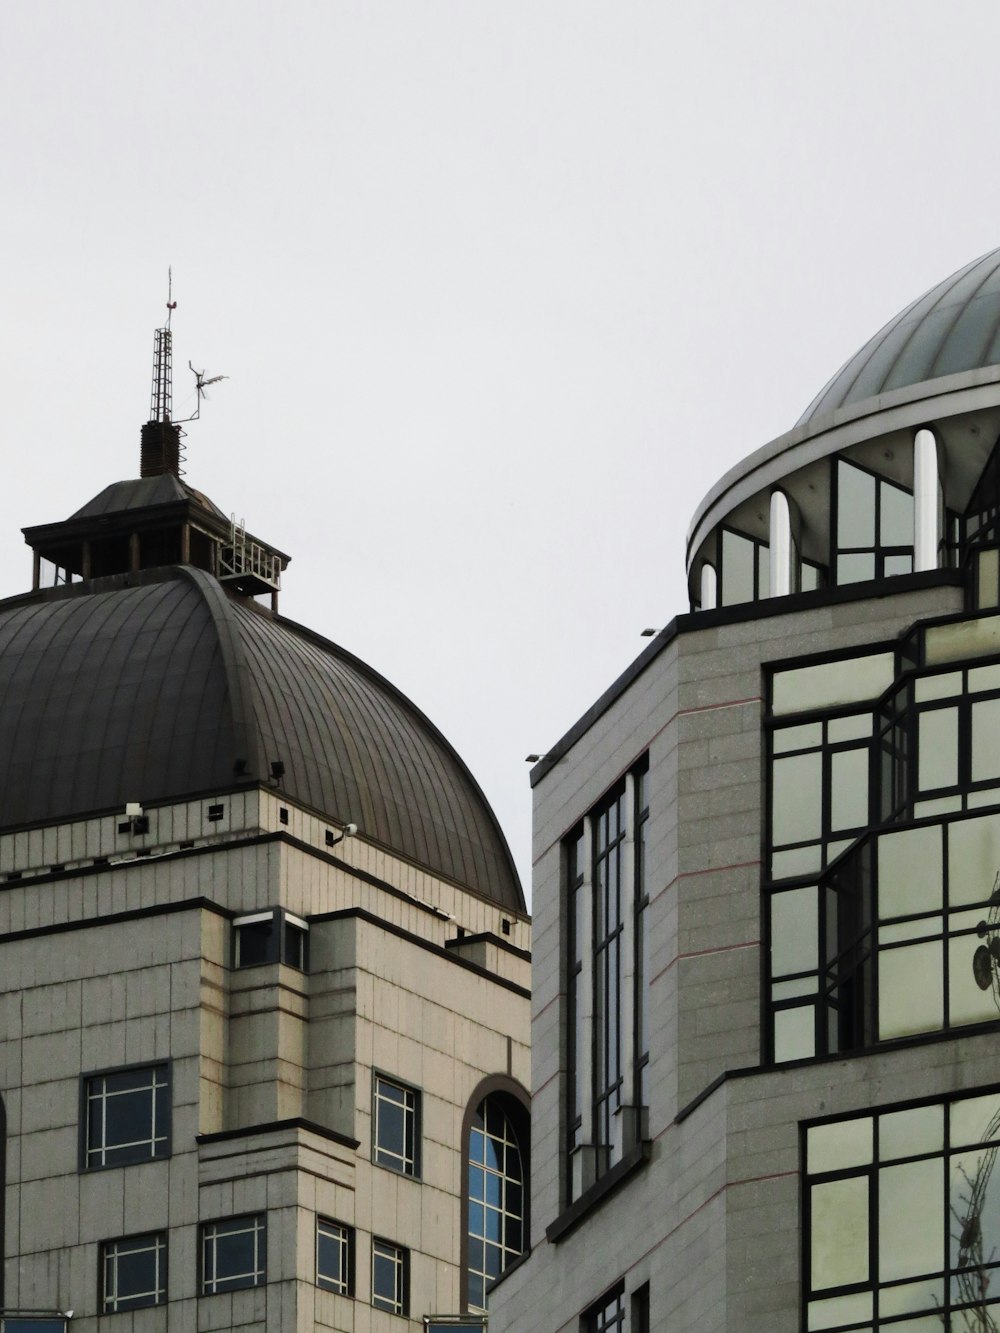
(161, 686)
(952, 328)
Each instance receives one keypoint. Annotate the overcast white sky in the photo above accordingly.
(502, 288)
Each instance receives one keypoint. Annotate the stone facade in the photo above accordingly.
(116, 952)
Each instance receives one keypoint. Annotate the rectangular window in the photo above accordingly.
(607, 1316)
(133, 1272)
(233, 1253)
(334, 1256)
(271, 937)
(390, 1277)
(874, 526)
(606, 915)
(126, 1116)
(903, 1217)
(396, 1126)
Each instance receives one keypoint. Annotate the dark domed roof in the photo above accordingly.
(954, 327)
(161, 686)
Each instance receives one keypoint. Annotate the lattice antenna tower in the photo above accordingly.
(161, 404)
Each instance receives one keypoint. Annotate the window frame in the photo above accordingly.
(399, 1303)
(109, 1251)
(160, 1108)
(868, 1167)
(505, 1099)
(594, 877)
(406, 1163)
(595, 1319)
(880, 551)
(208, 1285)
(346, 1248)
(277, 948)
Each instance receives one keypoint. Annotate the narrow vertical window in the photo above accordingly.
(576, 907)
(641, 998)
(334, 1256)
(608, 856)
(496, 1198)
(396, 1134)
(390, 1277)
(134, 1272)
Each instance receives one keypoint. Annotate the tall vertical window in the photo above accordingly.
(133, 1272)
(607, 970)
(396, 1134)
(607, 1316)
(496, 1200)
(745, 568)
(874, 525)
(334, 1256)
(902, 1212)
(390, 1277)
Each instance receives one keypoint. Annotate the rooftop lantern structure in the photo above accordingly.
(157, 519)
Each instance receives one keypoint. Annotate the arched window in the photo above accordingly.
(496, 1195)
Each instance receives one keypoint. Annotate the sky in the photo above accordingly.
(500, 290)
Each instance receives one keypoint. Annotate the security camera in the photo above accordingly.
(350, 830)
(133, 809)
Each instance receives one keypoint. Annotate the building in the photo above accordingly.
(263, 952)
(765, 1068)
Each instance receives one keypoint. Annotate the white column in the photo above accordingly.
(709, 587)
(926, 501)
(782, 547)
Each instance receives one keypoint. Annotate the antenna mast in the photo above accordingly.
(161, 402)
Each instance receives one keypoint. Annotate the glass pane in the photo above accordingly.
(849, 789)
(801, 861)
(897, 564)
(827, 684)
(911, 1296)
(855, 506)
(984, 678)
(909, 872)
(856, 727)
(806, 737)
(945, 685)
(985, 740)
(962, 639)
(907, 1133)
(975, 1120)
(839, 1232)
(896, 516)
(855, 568)
(973, 988)
(794, 1034)
(794, 932)
(840, 1310)
(973, 859)
(937, 748)
(809, 579)
(737, 568)
(910, 997)
(910, 1211)
(839, 1145)
(796, 798)
(763, 572)
(975, 1208)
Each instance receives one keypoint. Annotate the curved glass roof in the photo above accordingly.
(161, 686)
(951, 328)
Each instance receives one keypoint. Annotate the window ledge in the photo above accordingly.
(595, 1194)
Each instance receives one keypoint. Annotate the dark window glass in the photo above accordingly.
(233, 1253)
(256, 943)
(127, 1116)
(268, 939)
(496, 1199)
(396, 1133)
(334, 1256)
(390, 1277)
(607, 1315)
(133, 1272)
